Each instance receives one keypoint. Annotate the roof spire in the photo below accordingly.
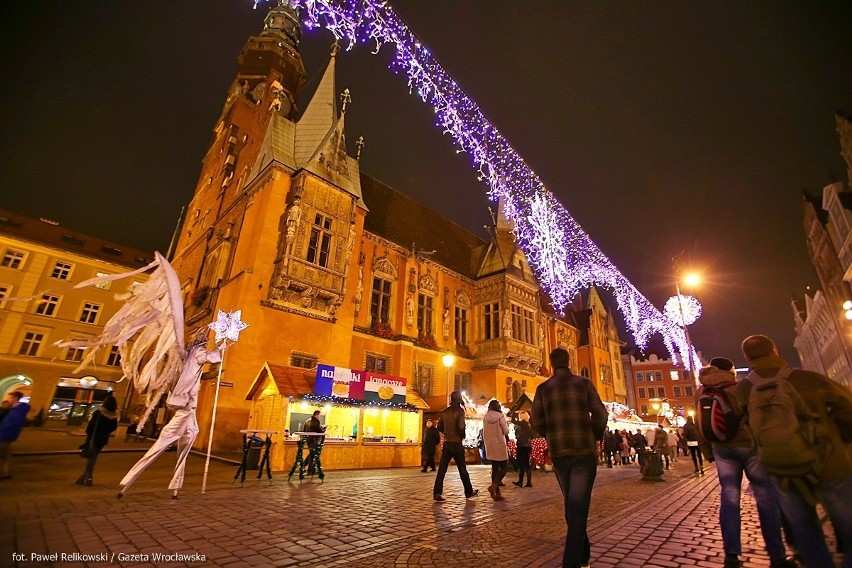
(344, 99)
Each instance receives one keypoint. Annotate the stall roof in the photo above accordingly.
(288, 380)
(414, 399)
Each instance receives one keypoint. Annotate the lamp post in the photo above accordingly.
(656, 407)
(448, 360)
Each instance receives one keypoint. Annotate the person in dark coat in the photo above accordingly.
(431, 439)
(523, 439)
(103, 423)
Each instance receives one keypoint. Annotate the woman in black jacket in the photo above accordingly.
(103, 423)
(690, 434)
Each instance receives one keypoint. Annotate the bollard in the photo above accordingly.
(653, 467)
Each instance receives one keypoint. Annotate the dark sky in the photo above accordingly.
(661, 126)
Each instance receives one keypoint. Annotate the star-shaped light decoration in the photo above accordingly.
(228, 326)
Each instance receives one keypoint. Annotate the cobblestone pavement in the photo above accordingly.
(372, 518)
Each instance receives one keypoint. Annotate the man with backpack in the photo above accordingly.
(802, 425)
(719, 420)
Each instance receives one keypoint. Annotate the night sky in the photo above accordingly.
(661, 126)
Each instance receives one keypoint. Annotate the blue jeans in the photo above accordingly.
(576, 476)
(807, 529)
(731, 463)
(454, 451)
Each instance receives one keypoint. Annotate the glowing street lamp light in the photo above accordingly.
(448, 360)
(688, 308)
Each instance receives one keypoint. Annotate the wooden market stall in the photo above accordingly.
(370, 430)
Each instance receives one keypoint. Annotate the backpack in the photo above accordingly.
(788, 435)
(717, 419)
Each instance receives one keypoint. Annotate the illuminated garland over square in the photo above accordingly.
(563, 256)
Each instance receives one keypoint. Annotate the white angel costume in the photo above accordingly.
(156, 360)
(183, 427)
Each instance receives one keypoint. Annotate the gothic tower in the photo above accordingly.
(273, 223)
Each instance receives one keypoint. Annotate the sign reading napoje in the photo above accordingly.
(359, 385)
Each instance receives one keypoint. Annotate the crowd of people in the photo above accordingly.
(787, 484)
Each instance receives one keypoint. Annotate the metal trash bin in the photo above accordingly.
(253, 456)
(653, 470)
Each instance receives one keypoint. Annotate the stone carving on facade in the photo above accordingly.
(462, 299)
(290, 226)
(409, 311)
(350, 244)
(446, 324)
(307, 297)
(384, 266)
(427, 284)
(359, 290)
(259, 92)
(560, 337)
(507, 324)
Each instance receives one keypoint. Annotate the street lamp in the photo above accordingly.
(847, 309)
(448, 360)
(656, 407)
(686, 314)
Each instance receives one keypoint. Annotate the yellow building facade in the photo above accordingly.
(40, 262)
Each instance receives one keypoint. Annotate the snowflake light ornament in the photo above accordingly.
(228, 326)
(684, 305)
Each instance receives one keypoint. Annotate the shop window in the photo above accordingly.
(90, 312)
(61, 270)
(13, 259)
(380, 301)
(340, 422)
(47, 305)
(377, 363)
(31, 343)
(491, 323)
(114, 359)
(386, 425)
(641, 392)
(303, 360)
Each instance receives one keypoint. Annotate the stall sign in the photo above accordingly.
(340, 382)
(359, 385)
(383, 388)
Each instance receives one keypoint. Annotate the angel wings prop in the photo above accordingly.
(148, 331)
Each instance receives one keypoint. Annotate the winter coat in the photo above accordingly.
(523, 434)
(14, 422)
(431, 439)
(102, 424)
(494, 432)
(661, 439)
(452, 424)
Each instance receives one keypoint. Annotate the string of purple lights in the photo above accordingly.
(564, 257)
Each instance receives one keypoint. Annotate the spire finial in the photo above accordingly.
(345, 99)
(335, 47)
(359, 145)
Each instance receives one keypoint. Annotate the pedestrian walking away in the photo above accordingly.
(734, 458)
(453, 427)
(494, 432)
(690, 436)
(819, 406)
(523, 448)
(568, 412)
(104, 422)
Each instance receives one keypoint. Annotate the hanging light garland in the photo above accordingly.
(564, 257)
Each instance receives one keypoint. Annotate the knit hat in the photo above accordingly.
(722, 363)
(110, 404)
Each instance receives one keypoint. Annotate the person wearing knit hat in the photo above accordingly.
(733, 458)
(722, 363)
